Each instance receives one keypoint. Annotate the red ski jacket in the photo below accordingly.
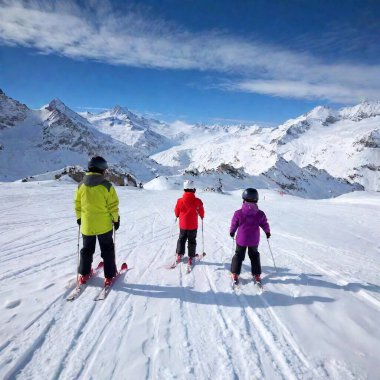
(187, 210)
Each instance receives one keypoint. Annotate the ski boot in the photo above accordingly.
(84, 278)
(179, 258)
(257, 281)
(235, 280)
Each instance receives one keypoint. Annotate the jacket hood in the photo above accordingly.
(188, 195)
(249, 208)
(188, 198)
(93, 179)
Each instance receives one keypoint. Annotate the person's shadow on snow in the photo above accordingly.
(210, 297)
(284, 276)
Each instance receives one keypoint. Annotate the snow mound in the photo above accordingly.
(164, 183)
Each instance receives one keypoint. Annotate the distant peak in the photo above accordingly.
(119, 110)
(361, 111)
(57, 101)
(320, 108)
(320, 113)
(56, 104)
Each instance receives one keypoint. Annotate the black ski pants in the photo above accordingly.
(107, 251)
(239, 256)
(191, 237)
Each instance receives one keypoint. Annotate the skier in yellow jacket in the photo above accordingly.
(97, 212)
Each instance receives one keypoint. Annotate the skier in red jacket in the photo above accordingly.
(187, 210)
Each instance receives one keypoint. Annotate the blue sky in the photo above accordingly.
(193, 60)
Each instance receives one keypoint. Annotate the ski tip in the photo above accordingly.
(124, 266)
(100, 265)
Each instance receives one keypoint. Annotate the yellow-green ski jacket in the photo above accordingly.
(96, 204)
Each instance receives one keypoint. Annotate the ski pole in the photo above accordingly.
(78, 256)
(270, 250)
(203, 242)
(114, 247)
(114, 240)
(170, 236)
(172, 229)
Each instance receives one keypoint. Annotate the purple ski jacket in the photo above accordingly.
(247, 221)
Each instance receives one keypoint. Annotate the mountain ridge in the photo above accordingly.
(339, 148)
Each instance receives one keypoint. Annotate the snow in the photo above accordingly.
(360, 111)
(130, 129)
(317, 319)
(321, 113)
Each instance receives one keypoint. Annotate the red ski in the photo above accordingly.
(107, 288)
(197, 258)
(80, 287)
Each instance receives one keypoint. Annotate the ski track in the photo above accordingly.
(255, 369)
(27, 355)
(79, 352)
(339, 279)
(37, 268)
(154, 331)
(26, 251)
(44, 318)
(185, 314)
(261, 329)
(245, 351)
(30, 338)
(271, 332)
(54, 240)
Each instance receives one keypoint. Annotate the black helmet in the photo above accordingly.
(250, 195)
(97, 164)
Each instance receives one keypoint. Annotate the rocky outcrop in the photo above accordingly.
(11, 111)
(308, 181)
(116, 176)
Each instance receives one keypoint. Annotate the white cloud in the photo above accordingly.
(303, 90)
(132, 39)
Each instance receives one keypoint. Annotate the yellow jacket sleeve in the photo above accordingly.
(78, 205)
(113, 204)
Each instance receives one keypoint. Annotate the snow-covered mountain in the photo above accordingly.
(322, 153)
(11, 111)
(343, 145)
(361, 111)
(129, 128)
(36, 141)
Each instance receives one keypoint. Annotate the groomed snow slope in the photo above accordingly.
(317, 319)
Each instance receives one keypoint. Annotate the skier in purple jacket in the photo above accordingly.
(247, 221)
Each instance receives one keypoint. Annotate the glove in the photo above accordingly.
(268, 234)
(232, 234)
(117, 224)
(79, 221)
